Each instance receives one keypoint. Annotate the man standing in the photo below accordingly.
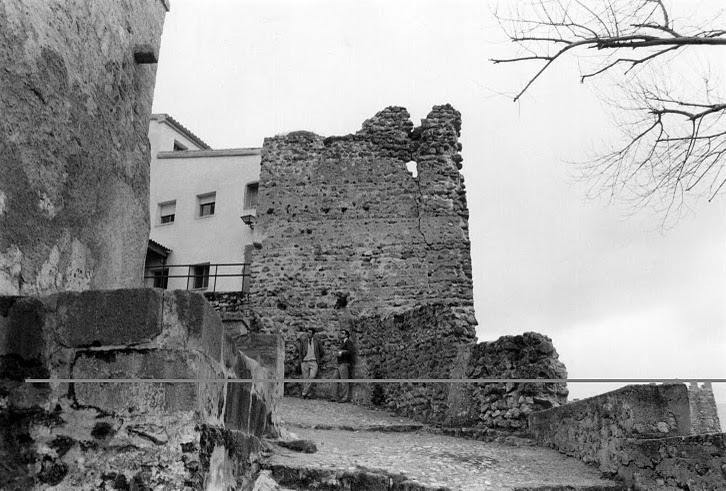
(311, 355)
(345, 359)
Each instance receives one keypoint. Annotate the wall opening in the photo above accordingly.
(412, 167)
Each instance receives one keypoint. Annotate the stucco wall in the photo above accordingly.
(219, 238)
(75, 113)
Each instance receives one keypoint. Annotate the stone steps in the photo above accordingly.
(304, 478)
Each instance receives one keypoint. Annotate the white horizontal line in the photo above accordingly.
(373, 380)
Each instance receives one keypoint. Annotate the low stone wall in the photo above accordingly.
(643, 433)
(146, 435)
(595, 429)
(432, 342)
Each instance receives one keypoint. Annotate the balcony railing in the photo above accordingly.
(199, 276)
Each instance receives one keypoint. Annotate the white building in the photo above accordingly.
(199, 199)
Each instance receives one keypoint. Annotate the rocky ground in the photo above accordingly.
(358, 448)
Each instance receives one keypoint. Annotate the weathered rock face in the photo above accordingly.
(347, 231)
(115, 435)
(74, 153)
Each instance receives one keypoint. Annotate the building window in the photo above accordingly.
(206, 204)
(251, 195)
(201, 275)
(178, 147)
(167, 211)
(161, 278)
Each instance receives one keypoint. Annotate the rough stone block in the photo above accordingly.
(22, 321)
(145, 54)
(133, 397)
(237, 407)
(109, 318)
(200, 323)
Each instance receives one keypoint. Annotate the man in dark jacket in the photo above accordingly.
(311, 356)
(345, 360)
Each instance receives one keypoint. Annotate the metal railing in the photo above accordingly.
(199, 276)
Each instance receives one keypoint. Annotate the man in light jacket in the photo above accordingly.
(311, 356)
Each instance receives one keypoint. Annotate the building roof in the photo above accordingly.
(159, 249)
(165, 118)
(224, 152)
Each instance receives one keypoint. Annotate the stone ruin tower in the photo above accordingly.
(349, 238)
(347, 231)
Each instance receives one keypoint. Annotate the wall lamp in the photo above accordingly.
(249, 220)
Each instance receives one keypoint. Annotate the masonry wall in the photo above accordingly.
(146, 435)
(75, 107)
(346, 231)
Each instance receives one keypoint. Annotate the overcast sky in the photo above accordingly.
(620, 294)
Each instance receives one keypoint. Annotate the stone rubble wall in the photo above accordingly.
(424, 343)
(507, 406)
(346, 231)
(75, 108)
(226, 302)
(163, 436)
(704, 413)
(642, 433)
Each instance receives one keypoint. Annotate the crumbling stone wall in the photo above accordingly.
(421, 344)
(105, 435)
(76, 89)
(506, 406)
(346, 231)
(704, 413)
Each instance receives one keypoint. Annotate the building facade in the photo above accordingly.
(202, 210)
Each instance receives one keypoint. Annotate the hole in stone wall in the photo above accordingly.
(412, 167)
(342, 301)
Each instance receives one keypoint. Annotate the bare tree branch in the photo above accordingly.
(677, 144)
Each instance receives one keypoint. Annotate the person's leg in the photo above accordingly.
(305, 368)
(336, 390)
(345, 386)
(311, 375)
